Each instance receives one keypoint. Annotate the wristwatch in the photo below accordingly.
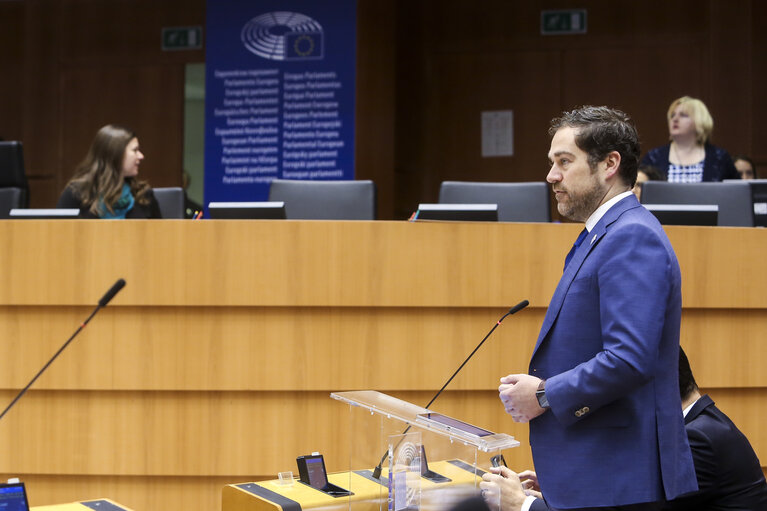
(541, 395)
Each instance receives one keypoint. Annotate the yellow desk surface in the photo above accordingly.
(80, 506)
(367, 494)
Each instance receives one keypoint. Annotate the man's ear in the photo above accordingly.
(612, 164)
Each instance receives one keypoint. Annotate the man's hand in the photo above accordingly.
(501, 486)
(517, 393)
(529, 481)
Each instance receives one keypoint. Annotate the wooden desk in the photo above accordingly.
(228, 333)
(87, 505)
(368, 495)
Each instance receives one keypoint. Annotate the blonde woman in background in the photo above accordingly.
(690, 157)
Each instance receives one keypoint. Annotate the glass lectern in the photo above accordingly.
(402, 457)
(421, 459)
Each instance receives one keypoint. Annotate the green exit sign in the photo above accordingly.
(181, 38)
(569, 21)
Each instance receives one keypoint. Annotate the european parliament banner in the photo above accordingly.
(279, 94)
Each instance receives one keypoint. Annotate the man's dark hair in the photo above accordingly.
(687, 383)
(602, 130)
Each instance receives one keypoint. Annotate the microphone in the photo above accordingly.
(102, 303)
(518, 307)
(116, 287)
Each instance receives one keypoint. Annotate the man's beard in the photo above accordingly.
(581, 206)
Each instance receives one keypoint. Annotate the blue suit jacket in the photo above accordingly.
(608, 349)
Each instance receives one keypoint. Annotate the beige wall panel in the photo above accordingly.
(726, 347)
(163, 434)
(282, 263)
(339, 263)
(196, 434)
(172, 348)
(257, 348)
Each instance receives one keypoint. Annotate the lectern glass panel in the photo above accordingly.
(434, 460)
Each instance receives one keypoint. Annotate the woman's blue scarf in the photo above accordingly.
(120, 207)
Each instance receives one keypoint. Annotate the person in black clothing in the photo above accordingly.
(105, 184)
(728, 471)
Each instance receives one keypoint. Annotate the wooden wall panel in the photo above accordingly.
(12, 66)
(144, 98)
(469, 84)
(224, 349)
(758, 76)
(638, 56)
(374, 133)
(180, 381)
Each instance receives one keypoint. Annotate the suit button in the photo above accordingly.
(585, 409)
(578, 413)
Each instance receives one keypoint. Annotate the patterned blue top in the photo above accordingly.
(686, 173)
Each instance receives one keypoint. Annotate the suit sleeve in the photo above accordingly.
(635, 278)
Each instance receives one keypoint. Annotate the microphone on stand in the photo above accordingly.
(116, 287)
(518, 307)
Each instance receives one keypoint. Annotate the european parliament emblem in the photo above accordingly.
(303, 45)
(283, 35)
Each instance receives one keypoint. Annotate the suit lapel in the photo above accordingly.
(701, 404)
(591, 241)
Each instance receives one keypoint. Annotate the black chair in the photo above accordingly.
(325, 200)
(12, 173)
(517, 202)
(171, 201)
(732, 197)
(10, 198)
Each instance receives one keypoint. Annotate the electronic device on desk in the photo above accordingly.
(311, 472)
(426, 473)
(271, 210)
(685, 214)
(44, 214)
(451, 425)
(457, 212)
(759, 200)
(13, 496)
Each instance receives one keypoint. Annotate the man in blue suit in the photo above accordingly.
(601, 395)
(729, 473)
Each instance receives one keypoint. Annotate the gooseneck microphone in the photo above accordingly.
(102, 303)
(518, 307)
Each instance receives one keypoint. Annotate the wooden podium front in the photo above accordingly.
(368, 493)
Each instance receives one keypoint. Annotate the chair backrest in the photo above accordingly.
(517, 202)
(10, 198)
(325, 200)
(733, 198)
(171, 201)
(12, 174)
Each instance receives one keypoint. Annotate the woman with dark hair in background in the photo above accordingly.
(105, 183)
(689, 157)
(745, 166)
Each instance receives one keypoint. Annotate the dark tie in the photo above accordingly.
(581, 237)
